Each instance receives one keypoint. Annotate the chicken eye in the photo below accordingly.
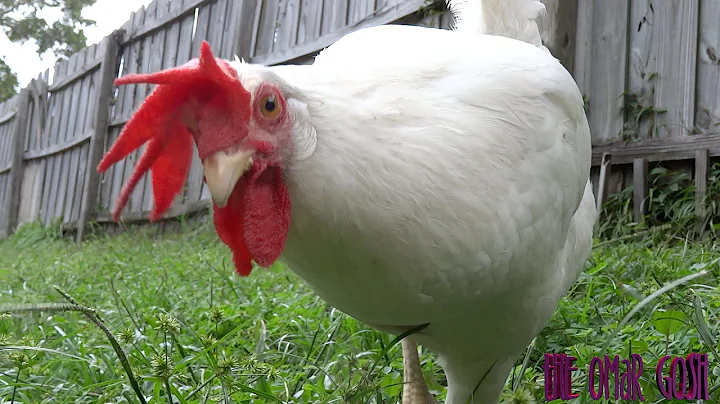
(269, 106)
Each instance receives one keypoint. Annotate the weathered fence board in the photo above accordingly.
(266, 31)
(101, 98)
(55, 140)
(50, 137)
(707, 114)
(34, 170)
(676, 28)
(339, 15)
(138, 31)
(558, 30)
(631, 60)
(310, 20)
(67, 116)
(179, 26)
(602, 85)
(8, 113)
(8, 128)
(111, 180)
(147, 60)
(78, 130)
(287, 25)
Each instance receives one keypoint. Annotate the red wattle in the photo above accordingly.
(228, 225)
(267, 215)
(256, 220)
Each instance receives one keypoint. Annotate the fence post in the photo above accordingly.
(17, 146)
(702, 161)
(603, 181)
(97, 142)
(640, 188)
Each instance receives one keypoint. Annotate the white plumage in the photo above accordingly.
(435, 176)
(441, 177)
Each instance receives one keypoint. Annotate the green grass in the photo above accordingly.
(189, 325)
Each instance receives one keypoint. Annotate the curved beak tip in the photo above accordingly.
(222, 172)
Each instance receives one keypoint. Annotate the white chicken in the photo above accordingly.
(410, 175)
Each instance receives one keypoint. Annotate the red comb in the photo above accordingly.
(161, 122)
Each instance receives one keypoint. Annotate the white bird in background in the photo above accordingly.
(410, 175)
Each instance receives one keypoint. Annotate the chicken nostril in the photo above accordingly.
(231, 150)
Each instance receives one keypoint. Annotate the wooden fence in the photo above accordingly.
(632, 59)
(650, 72)
(8, 137)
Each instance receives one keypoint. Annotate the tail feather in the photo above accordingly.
(510, 18)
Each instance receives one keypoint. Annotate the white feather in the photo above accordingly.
(441, 177)
(510, 18)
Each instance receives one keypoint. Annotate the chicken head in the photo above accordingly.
(239, 134)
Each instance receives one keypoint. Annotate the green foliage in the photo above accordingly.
(670, 203)
(8, 81)
(189, 325)
(639, 112)
(668, 322)
(195, 331)
(20, 22)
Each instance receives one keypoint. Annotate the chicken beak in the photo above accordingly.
(222, 172)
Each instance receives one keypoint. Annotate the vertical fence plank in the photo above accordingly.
(267, 28)
(157, 55)
(676, 28)
(215, 35)
(640, 187)
(85, 124)
(707, 114)
(582, 65)
(70, 94)
(194, 187)
(359, 10)
(16, 170)
(102, 111)
(257, 21)
(134, 94)
(35, 170)
(233, 15)
(310, 20)
(115, 176)
(229, 11)
(604, 181)
(247, 26)
(662, 67)
(185, 42)
(606, 85)
(137, 197)
(25, 209)
(287, 25)
(558, 30)
(75, 129)
(328, 13)
(48, 139)
(339, 15)
(641, 74)
(702, 161)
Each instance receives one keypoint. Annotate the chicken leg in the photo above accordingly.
(415, 390)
